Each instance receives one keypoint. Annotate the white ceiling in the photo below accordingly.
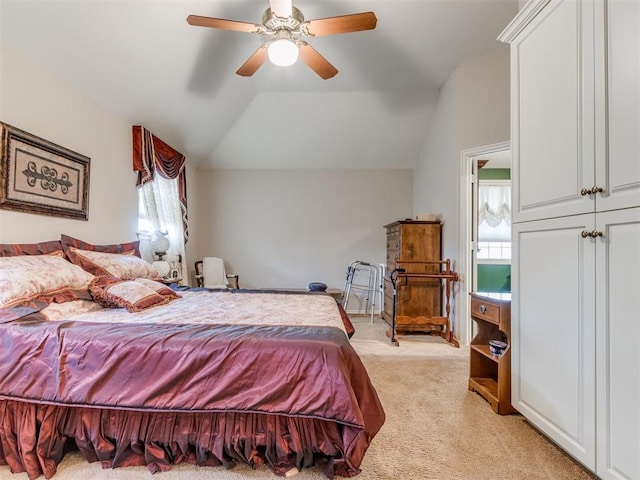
(143, 61)
(499, 159)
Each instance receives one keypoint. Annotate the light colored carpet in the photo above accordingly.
(435, 430)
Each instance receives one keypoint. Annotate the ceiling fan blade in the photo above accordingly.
(316, 62)
(281, 8)
(223, 24)
(254, 62)
(343, 24)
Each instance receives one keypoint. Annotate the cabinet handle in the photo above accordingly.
(483, 309)
(592, 234)
(591, 191)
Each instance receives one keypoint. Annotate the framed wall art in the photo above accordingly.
(41, 177)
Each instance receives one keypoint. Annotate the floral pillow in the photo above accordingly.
(133, 295)
(126, 265)
(127, 247)
(26, 277)
(158, 287)
(60, 311)
(53, 247)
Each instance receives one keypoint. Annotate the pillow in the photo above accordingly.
(134, 296)
(60, 311)
(68, 241)
(121, 265)
(53, 247)
(25, 277)
(158, 287)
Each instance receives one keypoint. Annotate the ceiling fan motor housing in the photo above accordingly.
(272, 22)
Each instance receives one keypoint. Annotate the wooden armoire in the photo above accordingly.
(413, 241)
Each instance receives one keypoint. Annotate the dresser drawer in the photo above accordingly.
(393, 229)
(392, 256)
(485, 309)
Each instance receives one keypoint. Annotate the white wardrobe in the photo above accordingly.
(575, 88)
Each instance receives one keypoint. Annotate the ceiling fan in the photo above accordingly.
(283, 29)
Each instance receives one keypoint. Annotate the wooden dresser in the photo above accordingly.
(413, 241)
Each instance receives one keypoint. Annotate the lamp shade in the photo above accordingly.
(283, 52)
(160, 244)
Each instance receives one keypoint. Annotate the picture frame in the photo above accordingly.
(176, 271)
(38, 176)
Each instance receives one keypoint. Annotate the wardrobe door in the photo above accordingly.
(618, 101)
(553, 330)
(618, 337)
(552, 112)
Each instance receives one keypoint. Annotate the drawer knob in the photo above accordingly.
(483, 309)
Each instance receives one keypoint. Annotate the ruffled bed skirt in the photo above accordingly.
(35, 437)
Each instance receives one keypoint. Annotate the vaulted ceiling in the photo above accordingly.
(142, 60)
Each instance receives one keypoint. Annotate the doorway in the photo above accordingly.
(499, 155)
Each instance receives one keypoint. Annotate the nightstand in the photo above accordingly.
(490, 374)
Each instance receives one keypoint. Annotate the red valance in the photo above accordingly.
(151, 154)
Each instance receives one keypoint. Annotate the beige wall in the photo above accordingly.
(277, 227)
(472, 111)
(286, 228)
(35, 101)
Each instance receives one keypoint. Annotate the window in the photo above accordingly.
(162, 196)
(494, 220)
(494, 250)
(159, 209)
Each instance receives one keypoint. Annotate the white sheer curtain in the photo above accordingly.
(494, 211)
(161, 210)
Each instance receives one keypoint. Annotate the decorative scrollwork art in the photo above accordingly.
(48, 178)
(41, 177)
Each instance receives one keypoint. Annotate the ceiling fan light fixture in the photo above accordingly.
(283, 52)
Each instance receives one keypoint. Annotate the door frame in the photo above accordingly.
(468, 175)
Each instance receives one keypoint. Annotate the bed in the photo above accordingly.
(131, 372)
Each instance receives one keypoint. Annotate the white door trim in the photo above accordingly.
(467, 171)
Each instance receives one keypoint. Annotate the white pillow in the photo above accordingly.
(25, 277)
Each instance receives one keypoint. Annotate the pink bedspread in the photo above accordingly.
(159, 393)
